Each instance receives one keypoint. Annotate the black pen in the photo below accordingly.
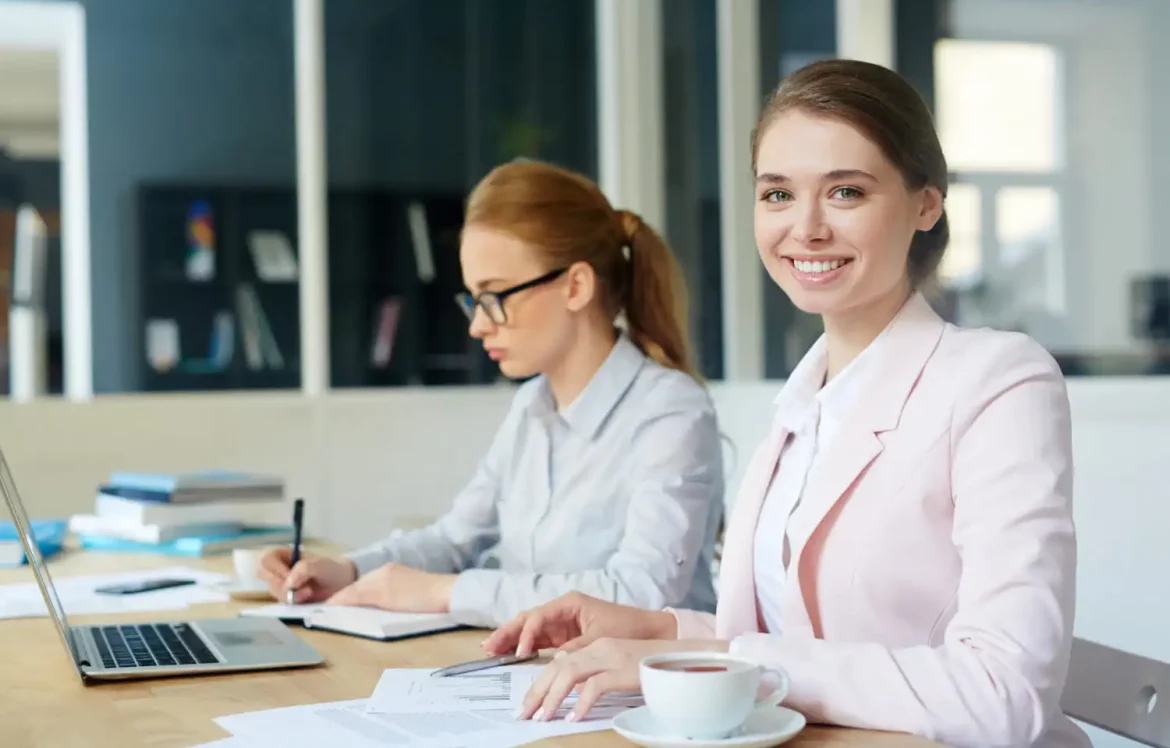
(298, 522)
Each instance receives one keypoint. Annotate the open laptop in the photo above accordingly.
(151, 650)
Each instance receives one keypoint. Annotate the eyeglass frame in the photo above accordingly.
(469, 302)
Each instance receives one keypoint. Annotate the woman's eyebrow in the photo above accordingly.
(771, 178)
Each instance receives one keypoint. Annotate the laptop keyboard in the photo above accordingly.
(150, 644)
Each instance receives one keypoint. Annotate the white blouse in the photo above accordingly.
(813, 423)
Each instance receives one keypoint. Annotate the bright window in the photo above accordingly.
(997, 106)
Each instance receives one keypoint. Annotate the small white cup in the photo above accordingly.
(247, 564)
(706, 695)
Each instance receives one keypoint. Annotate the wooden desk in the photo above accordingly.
(44, 704)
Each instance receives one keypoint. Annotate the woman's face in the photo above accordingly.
(833, 216)
(538, 326)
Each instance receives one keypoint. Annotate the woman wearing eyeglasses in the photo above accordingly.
(606, 475)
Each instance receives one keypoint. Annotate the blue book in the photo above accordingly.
(214, 480)
(48, 533)
(192, 546)
(216, 485)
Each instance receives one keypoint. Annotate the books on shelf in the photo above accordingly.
(260, 346)
(273, 256)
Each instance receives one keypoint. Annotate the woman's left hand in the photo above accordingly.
(605, 666)
(400, 588)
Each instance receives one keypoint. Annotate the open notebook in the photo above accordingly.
(370, 623)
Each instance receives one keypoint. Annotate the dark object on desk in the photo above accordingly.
(484, 664)
(1150, 308)
(149, 585)
(295, 554)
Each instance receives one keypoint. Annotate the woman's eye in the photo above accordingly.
(776, 196)
(847, 193)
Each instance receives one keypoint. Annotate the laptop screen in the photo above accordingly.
(32, 552)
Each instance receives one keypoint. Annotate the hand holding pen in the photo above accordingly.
(292, 574)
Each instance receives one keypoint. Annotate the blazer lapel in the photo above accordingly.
(736, 611)
(896, 367)
(848, 455)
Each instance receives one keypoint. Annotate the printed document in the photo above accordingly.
(401, 691)
(442, 713)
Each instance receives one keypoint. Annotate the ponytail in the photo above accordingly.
(656, 297)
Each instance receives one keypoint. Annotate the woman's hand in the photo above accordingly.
(315, 578)
(574, 620)
(605, 666)
(400, 588)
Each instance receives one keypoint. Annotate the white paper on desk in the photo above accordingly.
(414, 691)
(282, 611)
(349, 724)
(78, 595)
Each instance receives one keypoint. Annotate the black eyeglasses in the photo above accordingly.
(492, 302)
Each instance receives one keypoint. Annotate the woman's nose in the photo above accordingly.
(810, 225)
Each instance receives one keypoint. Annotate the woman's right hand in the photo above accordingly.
(315, 578)
(574, 620)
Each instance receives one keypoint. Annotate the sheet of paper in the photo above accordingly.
(349, 723)
(280, 610)
(78, 595)
(409, 691)
(413, 691)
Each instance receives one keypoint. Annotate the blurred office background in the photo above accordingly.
(234, 276)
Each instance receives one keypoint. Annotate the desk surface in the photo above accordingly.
(44, 703)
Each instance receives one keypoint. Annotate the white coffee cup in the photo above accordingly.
(247, 564)
(706, 695)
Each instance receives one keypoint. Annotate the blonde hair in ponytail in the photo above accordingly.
(566, 217)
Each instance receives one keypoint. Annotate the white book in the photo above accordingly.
(253, 512)
(370, 623)
(91, 524)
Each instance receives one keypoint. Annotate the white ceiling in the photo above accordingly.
(29, 107)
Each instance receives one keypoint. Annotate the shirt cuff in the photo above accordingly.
(760, 648)
(368, 559)
(691, 624)
(473, 597)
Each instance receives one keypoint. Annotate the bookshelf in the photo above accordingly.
(220, 293)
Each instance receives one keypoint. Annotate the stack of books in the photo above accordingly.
(194, 514)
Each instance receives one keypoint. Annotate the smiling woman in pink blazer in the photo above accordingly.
(902, 543)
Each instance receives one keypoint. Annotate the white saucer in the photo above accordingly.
(765, 727)
(240, 590)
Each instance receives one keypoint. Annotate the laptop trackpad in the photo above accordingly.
(252, 638)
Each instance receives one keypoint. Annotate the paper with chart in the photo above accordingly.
(78, 595)
(456, 712)
(349, 724)
(402, 691)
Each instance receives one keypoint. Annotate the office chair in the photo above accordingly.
(1122, 693)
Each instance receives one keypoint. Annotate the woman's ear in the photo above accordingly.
(931, 208)
(581, 287)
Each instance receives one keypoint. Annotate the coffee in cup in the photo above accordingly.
(706, 696)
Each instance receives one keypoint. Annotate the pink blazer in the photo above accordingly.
(935, 593)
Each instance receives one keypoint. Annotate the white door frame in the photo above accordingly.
(60, 27)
